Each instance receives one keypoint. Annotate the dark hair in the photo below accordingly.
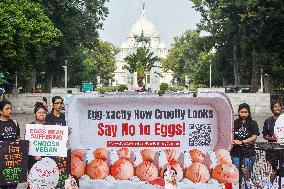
(172, 169)
(273, 103)
(246, 106)
(39, 105)
(69, 91)
(44, 99)
(55, 98)
(3, 103)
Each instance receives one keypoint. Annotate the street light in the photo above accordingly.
(213, 50)
(210, 74)
(65, 71)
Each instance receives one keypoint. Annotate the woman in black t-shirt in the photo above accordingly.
(268, 134)
(9, 129)
(40, 112)
(245, 134)
(55, 117)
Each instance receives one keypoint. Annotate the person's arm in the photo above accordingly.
(255, 133)
(265, 130)
(266, 133)
(250, 140)
(18, 130)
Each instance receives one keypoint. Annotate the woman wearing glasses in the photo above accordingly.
(245, 134)
(55, 117)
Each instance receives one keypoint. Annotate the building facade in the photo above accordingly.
(145, 29)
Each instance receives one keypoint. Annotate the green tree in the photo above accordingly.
(247, 35)
(26, 32)
(100, 62)
(189, 57)
(141, 62)
(79, 22)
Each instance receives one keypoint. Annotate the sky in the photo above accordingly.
(170, 17)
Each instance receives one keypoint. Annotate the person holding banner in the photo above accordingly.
(245, 134)
(9, 129)
(40, 112)
(268, 133)
(55, 117)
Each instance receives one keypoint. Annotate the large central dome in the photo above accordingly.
(143, 24)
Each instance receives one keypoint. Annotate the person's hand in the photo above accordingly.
(267, 169)
(274, 138)
(257, 184)
(238, 142)
(38, 158)
(245, 172)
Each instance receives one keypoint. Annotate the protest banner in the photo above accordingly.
(279, 129)
(149, 122)
(47, 140)
(119, 137)
(13, 161)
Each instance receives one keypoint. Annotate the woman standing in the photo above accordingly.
(268, 134)
(40, 114)
(245, 134)
(55, 117)
(9, 129)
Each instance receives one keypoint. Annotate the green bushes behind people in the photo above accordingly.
(106, 89)
(176, 88)
(122, 88)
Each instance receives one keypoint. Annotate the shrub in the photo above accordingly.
(122, 88)
(161, 92)
(106, 89)
(176, 88)
(164, 87)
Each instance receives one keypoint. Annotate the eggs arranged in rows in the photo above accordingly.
(201, 168)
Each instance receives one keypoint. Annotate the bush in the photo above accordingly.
(122, 88)
(106, 89)
(176, 88)
(161, 92)
(164, 87)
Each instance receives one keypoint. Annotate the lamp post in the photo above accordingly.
(213, 51)
(65, 71)
(16, 80)
(261, 80)
(210, 74)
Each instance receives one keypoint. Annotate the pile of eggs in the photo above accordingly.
(200, 168)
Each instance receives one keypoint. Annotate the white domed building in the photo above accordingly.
(157, 75)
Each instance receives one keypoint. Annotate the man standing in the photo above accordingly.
(55, 117)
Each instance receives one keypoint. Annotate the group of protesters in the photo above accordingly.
(243, 153)
(10, 130)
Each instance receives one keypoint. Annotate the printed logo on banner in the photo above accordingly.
(13, 161)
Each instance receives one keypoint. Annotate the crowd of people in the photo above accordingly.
(10, 130)
(243, 155)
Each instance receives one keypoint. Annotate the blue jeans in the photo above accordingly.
(246, 161)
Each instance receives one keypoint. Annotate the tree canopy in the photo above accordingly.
(141, 62)
(248, 38)
(38, 37)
